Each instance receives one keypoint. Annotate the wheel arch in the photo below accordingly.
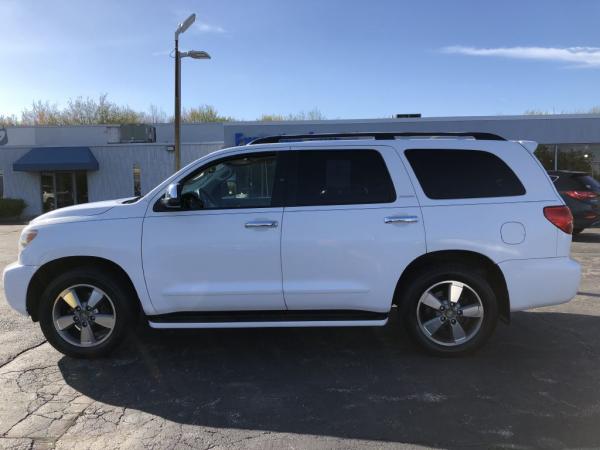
(52, 268)
(476, 260)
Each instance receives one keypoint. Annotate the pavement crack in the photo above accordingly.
(72, 422)
(22, 352)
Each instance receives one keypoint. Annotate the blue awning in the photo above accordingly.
(41, 159)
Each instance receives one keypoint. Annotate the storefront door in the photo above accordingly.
(60, 189)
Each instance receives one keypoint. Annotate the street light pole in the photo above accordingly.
(180, 29)
(177, 105)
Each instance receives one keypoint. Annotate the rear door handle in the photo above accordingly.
(261, 224)
(401, 219)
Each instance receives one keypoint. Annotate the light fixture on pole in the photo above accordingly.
(195, 54)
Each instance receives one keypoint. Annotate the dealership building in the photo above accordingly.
(56, 166)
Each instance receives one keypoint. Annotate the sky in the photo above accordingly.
(349, 59)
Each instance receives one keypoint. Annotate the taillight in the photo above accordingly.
(561, 217)
(581, 195)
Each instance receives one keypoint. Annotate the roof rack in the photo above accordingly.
(375, 135)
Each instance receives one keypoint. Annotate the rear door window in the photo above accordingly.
(457, 174)
(340, 177)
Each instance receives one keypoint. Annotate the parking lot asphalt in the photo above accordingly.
(535, 385)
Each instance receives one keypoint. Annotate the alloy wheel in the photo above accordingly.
(83, 315)
(450, 313)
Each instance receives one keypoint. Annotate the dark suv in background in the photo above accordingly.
(581, 193)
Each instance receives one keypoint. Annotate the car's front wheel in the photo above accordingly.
(85, 312)
(450, 310)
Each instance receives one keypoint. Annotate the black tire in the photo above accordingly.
(430, 277)
(121, 300)
(577, 231)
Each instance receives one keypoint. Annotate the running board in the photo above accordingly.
(268, 319)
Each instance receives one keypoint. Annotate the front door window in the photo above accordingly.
(243, 182)
(60, 189)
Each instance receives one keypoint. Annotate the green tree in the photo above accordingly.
(574, 160)
(546, 156)
(203, 113)
(271, 118)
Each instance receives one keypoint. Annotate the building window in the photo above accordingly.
(547, 155)
(576, 157)
(1, 183)
(137, 180)
(60, 189)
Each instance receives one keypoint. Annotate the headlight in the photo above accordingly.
(26, 237)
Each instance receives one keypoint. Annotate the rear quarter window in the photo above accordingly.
(457, 174)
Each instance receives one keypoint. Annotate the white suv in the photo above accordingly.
(456, 230)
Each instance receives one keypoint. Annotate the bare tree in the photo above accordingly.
(540, 112)
(313, 114)
(8, 121)
(41, 113)
(156, 115)
(91, 111)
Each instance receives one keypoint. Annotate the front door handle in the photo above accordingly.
(401, 219)
(261, 224)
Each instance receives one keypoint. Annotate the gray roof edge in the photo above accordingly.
(417, 120)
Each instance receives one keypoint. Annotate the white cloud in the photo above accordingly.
(578, 56)
(204, 27)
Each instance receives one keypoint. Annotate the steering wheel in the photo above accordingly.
(206, 199)
(190, 201)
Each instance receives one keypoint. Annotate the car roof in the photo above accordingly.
(439, 142)
(377, 135)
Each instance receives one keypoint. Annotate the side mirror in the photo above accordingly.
(172, 198)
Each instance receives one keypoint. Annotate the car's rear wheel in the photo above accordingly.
(577, 231)
(450, 310)
(85, 312)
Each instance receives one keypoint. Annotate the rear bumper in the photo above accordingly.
(540, 282)
(585, 215)
(582, 222)
(16, 282)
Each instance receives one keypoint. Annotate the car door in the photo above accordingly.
(221, 250)
(352, 225)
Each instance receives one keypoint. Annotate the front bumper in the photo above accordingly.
(16, 282)
(540, 282)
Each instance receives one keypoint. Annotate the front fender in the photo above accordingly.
(116, 240)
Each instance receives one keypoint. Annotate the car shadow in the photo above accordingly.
(534, 384)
